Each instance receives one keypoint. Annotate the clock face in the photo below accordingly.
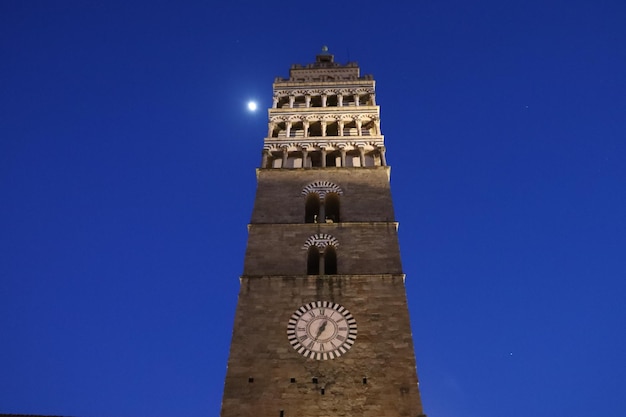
(321, 330)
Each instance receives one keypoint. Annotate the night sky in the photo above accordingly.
(127, 179)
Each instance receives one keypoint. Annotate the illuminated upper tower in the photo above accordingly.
(324, 115)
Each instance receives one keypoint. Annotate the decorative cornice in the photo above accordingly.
(310, 144)
(299, 91)
(316, 116)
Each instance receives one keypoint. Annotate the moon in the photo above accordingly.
(252, 106)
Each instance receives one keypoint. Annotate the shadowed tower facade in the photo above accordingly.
(322, 325)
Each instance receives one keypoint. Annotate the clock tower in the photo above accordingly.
(322, 325)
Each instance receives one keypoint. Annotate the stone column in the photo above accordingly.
(264, 154)
(305, 125)
(383, 158)
(341, 124)
(288, 129)
(323, 151)
(356, 99)
(324, 97)
(359, 123)
(275, 102)
(362, 154)
(291, 100)
(305, 154)
(377, 124)
(285, 156)
(339, 100)
(307, 100)
(270, 129)
(323, 123)
(342, 150)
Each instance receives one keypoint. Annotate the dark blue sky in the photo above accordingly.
(127, 161)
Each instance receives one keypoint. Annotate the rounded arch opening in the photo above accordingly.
(312, 208)
(313, 261)
(330, 260)
(331, 207)
(333, 159)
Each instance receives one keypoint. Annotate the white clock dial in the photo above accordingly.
(321, 330)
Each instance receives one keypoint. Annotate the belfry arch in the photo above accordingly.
(322, 202)
(321, 254)
(312, 208)
(331, 208)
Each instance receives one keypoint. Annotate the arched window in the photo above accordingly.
(326, 261)
(297, 130)
(330, 260)
(316, 158)
(316, 101)
(333, 159)
(332, 129)
(280, 130)
(315, 129)
(321, 256)
(331, 207)
(299, 101)
(321, 198)
(312, 208)
(313, 261)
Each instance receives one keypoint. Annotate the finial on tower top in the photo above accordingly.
(324, 56)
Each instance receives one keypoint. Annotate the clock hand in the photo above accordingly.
(321, 329)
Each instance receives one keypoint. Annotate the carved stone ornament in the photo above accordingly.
(320, 116)
(321, 240)
(322, 188)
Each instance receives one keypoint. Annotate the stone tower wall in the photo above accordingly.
(376, 378)
(366, 194)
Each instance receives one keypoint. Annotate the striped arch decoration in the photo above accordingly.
(321, 240)
(322, 188)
